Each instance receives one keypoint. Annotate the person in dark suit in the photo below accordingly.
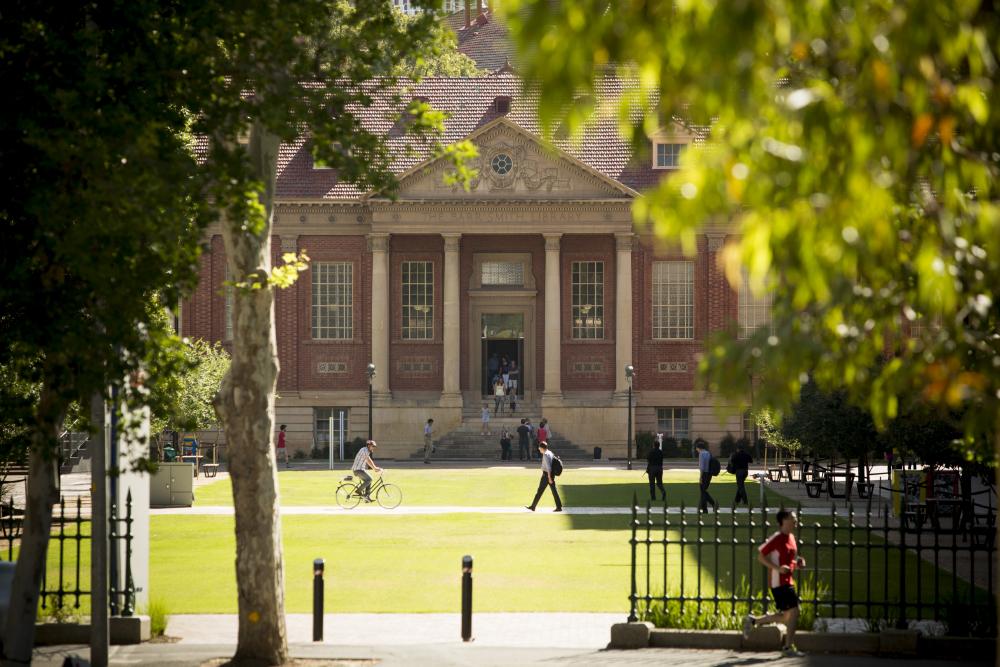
(739, 465)
(523, 442)
(654, 468)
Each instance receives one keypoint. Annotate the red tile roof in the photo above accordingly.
(468, 103)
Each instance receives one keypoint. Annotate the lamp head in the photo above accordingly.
(629, 371)
(371, 370)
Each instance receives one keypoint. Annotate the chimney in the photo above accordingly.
(468, 11)
(479, 8)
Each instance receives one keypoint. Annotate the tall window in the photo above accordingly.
(332, 300)
(755, 311)
(668, 156)
(418, 300)
(673, 300)
(674, 422)
(588, 299)
(749, 426)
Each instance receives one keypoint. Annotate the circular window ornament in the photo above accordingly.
(502, 164)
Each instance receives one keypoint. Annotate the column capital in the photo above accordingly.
(624, 242)
(289, 243)
(552, 242)
(378, 243)
(452, 242)
(715, 242)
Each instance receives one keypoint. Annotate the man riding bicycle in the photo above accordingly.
(363, 461)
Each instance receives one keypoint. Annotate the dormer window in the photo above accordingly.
(501, 104)
(667, 155)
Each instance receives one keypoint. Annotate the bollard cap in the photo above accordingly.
(466, 563)
(318, 566)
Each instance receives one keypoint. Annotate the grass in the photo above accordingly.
(495, 487)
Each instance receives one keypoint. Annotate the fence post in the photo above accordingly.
(112, 561)
(128, 608)
(318, 567)
(466, 598)
(901, 623)
(632, 616)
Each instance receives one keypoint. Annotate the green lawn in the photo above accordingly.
(495, 487)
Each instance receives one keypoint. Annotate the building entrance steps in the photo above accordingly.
(468, 442)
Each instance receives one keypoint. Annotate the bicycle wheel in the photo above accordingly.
(389, 496)
(346, 496)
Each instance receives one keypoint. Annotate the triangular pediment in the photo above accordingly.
(513, 164)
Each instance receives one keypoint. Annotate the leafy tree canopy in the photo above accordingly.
(853, 146)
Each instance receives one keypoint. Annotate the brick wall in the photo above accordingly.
(588, 364)
(408, 358)
(344, 361)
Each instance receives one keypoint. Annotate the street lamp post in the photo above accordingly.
(629, 374)
(371, 378)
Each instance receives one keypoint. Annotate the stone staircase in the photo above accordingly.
(467, 442)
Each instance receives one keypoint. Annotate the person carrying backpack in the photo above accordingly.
(708, 467)
(551, 468)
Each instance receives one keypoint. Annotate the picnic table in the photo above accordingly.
(193, 458)
(832, 477)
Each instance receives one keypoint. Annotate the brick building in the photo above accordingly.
(539, 261)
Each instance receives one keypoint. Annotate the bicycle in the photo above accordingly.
(388, 496)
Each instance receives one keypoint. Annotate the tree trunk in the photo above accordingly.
(42, 494)
(245, 405)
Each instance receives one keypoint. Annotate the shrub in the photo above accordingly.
(727, 445)
(351, 448)
(299, 454)
(686, 448)
(670, 449)
(320, 452)
(644, 443)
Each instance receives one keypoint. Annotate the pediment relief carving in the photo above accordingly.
(511, 165)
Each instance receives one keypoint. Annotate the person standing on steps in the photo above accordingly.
(499, 396)
(547, 478)
(705, 478)
(780, 555)
(543, 431)
(532, 441)
(486, 420)
(515, 374)
(429, 447)
(505, 453)
(524, 440)
(493, 368)
(654, 468)
(739, 463)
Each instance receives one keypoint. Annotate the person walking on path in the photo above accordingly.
(486, 420)
(499, 395)
(362, 461)
(547, 478)
(654, 468)
(780, 555)
(429, 447)
(524, 440)
(505, 452)
(739, 465)
(282, 450)
(705, 473)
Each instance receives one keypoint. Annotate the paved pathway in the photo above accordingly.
(373, 509)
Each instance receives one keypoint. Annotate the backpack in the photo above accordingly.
(730, 467)
(714, 467)
(557, 466)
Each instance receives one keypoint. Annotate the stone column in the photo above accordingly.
(452, 328)
(378, 245)
(623, 309)
(553, 319)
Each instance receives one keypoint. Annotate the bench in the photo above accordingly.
(210, 469)
(775, 474)
(814, 489)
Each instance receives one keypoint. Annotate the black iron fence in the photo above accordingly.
(701, 570)
(66, 577)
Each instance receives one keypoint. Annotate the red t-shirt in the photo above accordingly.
(281, 439)
(781, 549)
(543, 434)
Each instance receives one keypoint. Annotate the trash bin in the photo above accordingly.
(169, 454)
(597, 453)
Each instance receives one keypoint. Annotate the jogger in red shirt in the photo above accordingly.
(780, 555)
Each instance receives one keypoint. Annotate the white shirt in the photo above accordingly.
(427, 429)
(486, 414)
(547, 460)
(361, 459)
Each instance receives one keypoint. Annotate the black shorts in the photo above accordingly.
(785, 597)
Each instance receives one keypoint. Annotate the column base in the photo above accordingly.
(451, 399)
(621, 397)
(552, 399)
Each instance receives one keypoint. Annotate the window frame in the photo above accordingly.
(579, 293)
(748, 304)
(671, 431)
(406, 330)
(345, 331)
(681, 146)
(661, 305)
